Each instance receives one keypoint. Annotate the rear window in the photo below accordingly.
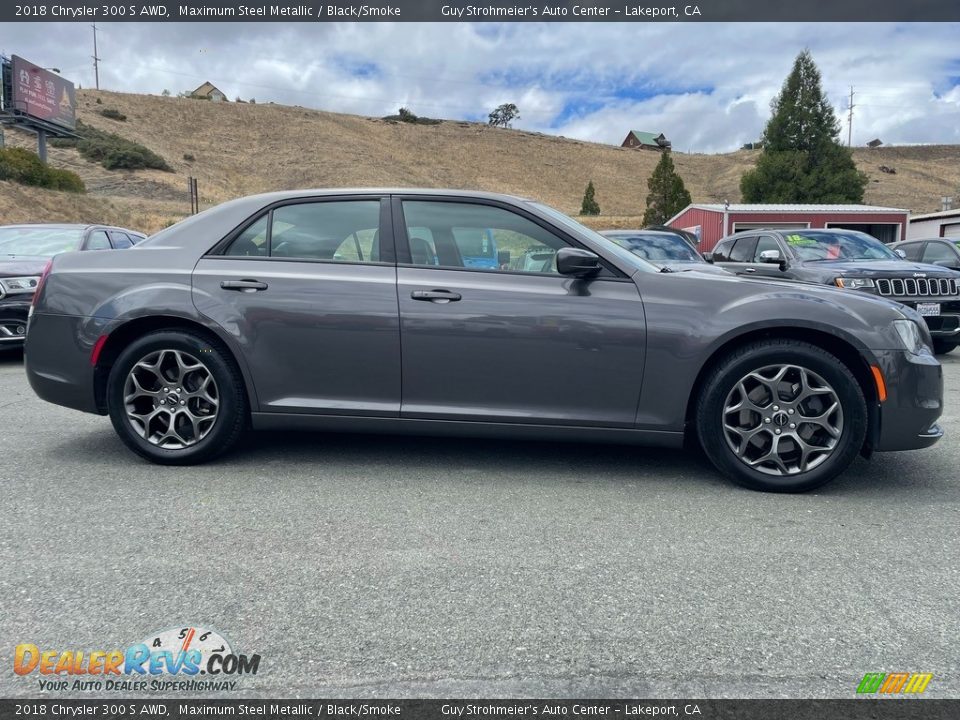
(39, 242)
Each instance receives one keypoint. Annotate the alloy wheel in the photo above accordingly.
(782, 420)
(171, 399)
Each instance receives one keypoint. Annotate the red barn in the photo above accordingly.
(712, 222)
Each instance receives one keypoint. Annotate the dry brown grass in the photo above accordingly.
(243, 148)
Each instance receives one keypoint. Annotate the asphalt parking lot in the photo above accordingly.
(392, 567)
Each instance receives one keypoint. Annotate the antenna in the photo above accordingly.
(850, 120)
(96, 59)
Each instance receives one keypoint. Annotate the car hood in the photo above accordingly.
(878, 268)
(22, 265)
(702, 267)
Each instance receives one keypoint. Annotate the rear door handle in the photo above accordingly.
(244, 285)
(749, 269)
(437, 296)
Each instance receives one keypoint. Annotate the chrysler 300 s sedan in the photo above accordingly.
(355, 310)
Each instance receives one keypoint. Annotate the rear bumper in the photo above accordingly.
(57, 360)
(908, 418)
(13, 322)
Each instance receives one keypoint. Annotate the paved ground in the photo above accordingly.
(366, 566)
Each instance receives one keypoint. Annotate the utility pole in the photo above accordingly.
(96, 60)
(850, 120)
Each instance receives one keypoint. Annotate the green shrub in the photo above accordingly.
(406, 116)
(22, 166)
(113, 114)
(112, 151)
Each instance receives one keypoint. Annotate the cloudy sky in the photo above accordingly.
(706, 86)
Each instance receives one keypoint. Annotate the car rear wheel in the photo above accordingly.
(781, 416)
(175, 398)
(942, 347)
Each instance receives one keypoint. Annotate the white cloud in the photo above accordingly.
(707, 86)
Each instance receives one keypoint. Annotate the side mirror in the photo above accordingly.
(900, 253)
(577, 262)
(769, 256)
(503, 258)
(708, 256)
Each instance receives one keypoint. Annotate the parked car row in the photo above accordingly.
(841, 258)
(448, 312)
(26, 249)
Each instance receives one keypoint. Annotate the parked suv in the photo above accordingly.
(852, 260)
(220, 322)
(26, 249)
(944, 252)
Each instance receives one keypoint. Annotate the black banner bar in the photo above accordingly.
(638, 11)
(893, 708)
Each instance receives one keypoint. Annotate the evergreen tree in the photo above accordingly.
(668, 196)
(589, 205)
(802, 160)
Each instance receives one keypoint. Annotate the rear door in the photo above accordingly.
(308, 291)
(514, 341)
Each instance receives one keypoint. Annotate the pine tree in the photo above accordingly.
(589, 205)
(668, 196)
(802, 160)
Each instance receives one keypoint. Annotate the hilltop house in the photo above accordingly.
(639, 140)
(208, 91)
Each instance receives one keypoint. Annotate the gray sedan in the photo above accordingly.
(357, 310)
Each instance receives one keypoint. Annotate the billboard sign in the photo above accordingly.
(42, 94)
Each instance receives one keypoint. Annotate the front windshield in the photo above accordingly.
(660, 249)
(812, 245)
(39, 242)
(625, 255)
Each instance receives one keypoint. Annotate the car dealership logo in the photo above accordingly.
(181, 653)
(894, 683)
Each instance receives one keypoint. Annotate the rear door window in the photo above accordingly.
(345, 231)
(98, 240)
(120, 240)
(911, 250)
(743, 250)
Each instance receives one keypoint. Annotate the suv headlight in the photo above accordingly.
(16, 285)
(854, 283)
(912, 337)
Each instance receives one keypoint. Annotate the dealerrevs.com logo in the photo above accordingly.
(169, 660)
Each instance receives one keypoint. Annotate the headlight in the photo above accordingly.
(911, 336)
(15, 285)
(853, 283)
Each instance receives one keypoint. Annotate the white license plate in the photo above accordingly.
(928, 309)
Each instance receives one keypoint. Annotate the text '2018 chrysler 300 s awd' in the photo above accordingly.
(355, 310)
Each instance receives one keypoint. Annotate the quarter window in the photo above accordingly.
(339, 231)
(478, 237)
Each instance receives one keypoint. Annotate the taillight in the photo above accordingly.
(43, 279)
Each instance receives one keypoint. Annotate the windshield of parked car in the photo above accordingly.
(813, 245)
(39, 242)
(628, 257)
(658, 248)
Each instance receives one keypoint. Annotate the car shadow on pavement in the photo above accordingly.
(12, 356)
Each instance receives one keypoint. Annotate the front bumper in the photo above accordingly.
(908, 418)
(13, 321)
(944, 326)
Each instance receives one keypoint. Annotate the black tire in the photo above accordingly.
(721, 385)
(231, 413)
(942, 347)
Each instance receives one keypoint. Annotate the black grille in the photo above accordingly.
(918, 287)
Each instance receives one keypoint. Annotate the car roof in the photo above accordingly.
(632, 233)
(434, 192)
(70, 226)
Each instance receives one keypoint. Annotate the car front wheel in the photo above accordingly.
(781, 416)
(175, 398)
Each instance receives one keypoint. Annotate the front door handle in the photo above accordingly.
(437, 296)
(245, 285)
(749, 269)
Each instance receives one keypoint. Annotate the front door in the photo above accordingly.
(308, 291)
(512, 341)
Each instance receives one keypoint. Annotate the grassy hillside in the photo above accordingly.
(238, 149)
